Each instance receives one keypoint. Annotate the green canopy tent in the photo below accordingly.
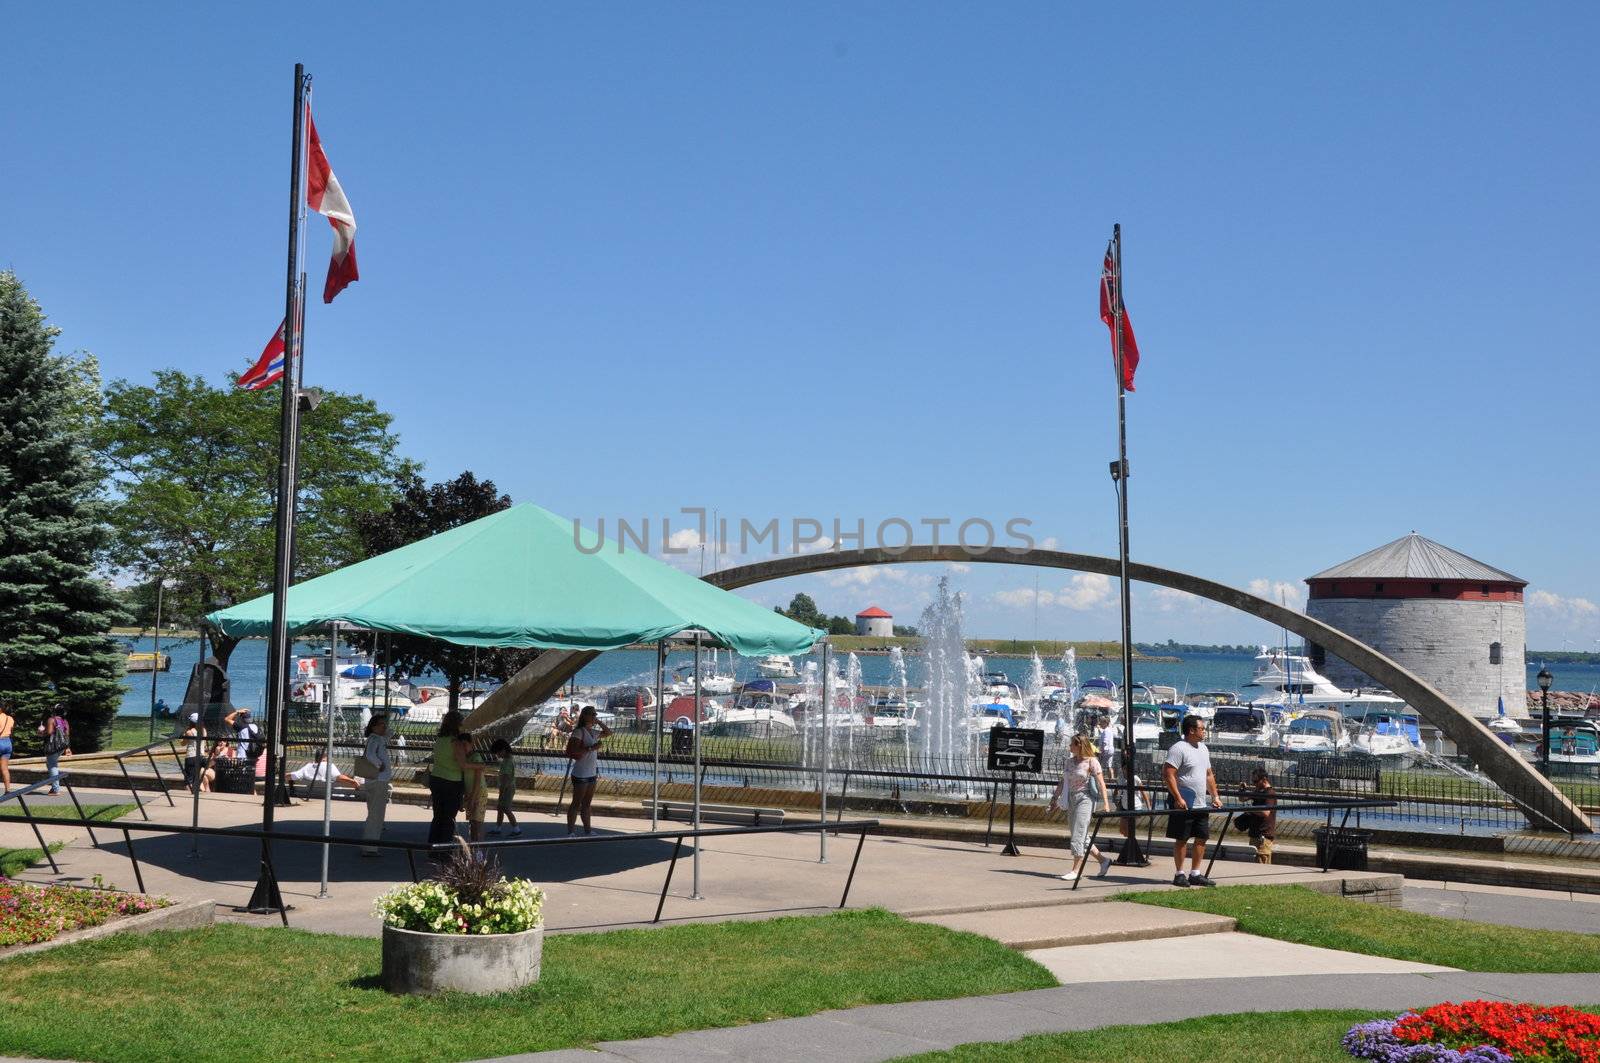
(520, 578)
(524, 578)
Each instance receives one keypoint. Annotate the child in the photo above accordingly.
(501, 751)
(476, 791)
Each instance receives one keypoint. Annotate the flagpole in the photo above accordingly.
(267, 897)
(1130, 854)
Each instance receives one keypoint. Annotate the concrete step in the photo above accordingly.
(1082, 924)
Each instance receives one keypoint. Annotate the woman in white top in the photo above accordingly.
(1084, 786)
(584, 749)
(377, 787)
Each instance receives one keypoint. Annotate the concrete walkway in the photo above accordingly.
(1227, 955)
(888, 1031)
(1506, 906)
(1076, 925)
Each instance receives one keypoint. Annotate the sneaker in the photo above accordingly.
(1197, 879)
(1105, 867)
(572, 834)
(516, 832)
(495, 831)
(1180, 879)
(1070, 876)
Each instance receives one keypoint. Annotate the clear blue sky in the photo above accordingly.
(819, 260)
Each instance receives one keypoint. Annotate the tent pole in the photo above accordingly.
(699, 714)
(655, 744)
(327, 755)
(827, 698)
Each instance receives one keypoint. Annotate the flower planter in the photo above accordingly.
(420, 963)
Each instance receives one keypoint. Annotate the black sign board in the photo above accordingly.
(1016, 749)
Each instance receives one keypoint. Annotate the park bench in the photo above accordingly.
(737, 814)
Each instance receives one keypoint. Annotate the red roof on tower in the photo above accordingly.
(872, 612)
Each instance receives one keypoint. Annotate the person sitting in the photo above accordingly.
(1262, 826)
(220, 751)
(316, 771)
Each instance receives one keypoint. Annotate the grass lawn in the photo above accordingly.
(326, 1002)
(1294, 1037)
(16, 861)
(1294, 913)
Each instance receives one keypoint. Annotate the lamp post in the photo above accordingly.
(1544, 679)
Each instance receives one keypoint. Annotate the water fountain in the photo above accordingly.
(1069, 675)
(947, 681)
(852, 699)
(897, 671)
(810, 685)
(1034, 695)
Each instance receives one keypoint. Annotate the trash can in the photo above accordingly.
(1342, 849)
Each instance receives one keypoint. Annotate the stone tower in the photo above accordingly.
(1454, 621)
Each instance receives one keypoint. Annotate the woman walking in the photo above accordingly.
(1083, 785)
(377, 787)
(445, 781)
(57, 743)
(8, 723)
(584, 749)
(194, 734)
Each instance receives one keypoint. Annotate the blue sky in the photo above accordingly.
(840, 260)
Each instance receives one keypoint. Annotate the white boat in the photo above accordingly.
(1317, 731)
(1146, 724)
(1288, 679)
(889, 713)
(753, 721)
(1574, 740)
(1387, 734)
(776, 666)
(1241, 725)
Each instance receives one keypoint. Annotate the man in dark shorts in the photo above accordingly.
(1191, 788)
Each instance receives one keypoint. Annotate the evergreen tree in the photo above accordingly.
(54, 611)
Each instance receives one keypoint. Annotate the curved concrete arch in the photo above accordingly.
(1545, 806)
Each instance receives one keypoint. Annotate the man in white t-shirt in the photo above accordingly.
(1191, 788)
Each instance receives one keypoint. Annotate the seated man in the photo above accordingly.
(316, 771)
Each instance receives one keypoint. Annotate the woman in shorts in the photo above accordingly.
(584, 749)
(8, 723)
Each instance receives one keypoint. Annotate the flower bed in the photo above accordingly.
(30, 914)
(469, 895)
(1480, 1031)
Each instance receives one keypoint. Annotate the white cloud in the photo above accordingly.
(1084, 591)
(1547, 602)
(1280, 591)
(1050, 543)
(684, 539)
(957, 568)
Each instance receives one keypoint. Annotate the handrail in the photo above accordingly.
(861, 827)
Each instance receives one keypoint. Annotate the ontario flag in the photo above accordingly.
(268, 369)
(324, 196)
(1110, 305)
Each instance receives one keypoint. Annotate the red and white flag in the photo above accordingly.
(1110, 304)
(268, 369)
(324, 196)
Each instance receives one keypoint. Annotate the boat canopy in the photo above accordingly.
(519, 578)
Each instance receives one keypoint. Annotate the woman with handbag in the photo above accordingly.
(1083, 785)
(446, 781)
(374, 768)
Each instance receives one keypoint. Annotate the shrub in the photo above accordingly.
(469, 895)
(30, 914)
(1480, 1031)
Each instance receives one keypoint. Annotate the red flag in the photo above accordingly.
(268, 369)
(324, 196)
(1110, 303)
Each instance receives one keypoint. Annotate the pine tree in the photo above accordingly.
(54, 611)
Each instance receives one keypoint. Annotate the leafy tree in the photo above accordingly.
(195, 471)
(803, 609)
(54, 610)
(839, 625)
(420, 511)
(904, 631)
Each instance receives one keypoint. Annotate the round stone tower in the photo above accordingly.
(874, 621)
(1454, 621)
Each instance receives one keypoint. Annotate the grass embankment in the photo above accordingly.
(327, 1002)
(1294, 913)
(1282, 1036)
(16, 861)
(1046, 648)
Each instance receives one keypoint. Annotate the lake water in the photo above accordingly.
(1200, 671)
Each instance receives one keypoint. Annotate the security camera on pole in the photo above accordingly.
(1126, 352)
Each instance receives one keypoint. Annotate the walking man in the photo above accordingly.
(1191, 784)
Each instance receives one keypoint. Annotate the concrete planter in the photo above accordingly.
(422, 964)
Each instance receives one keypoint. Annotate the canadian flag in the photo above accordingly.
(324, 196)
(268, 369)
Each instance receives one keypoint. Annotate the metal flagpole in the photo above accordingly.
(266, 897)
(1130, 854)
(655, 745)
(694, 893)
(327, 753)
(155, 665)
(827, 698)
